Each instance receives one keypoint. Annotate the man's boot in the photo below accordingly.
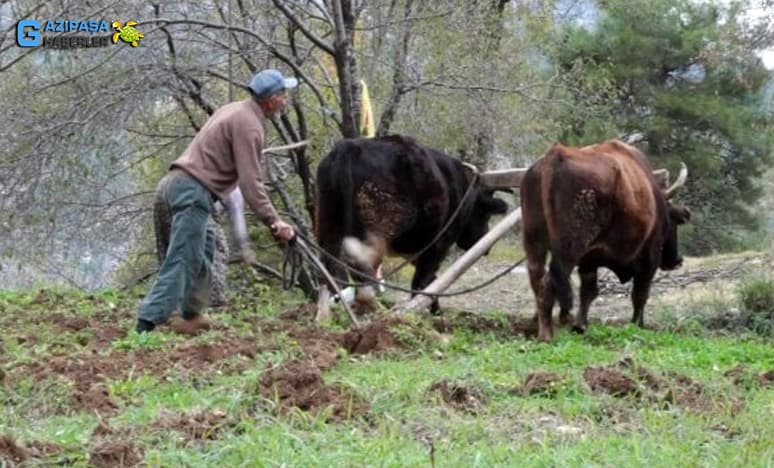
(191, 326)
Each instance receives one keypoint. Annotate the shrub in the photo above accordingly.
(757, 295)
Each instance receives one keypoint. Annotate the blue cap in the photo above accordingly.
(267, 82)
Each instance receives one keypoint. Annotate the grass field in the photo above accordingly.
(268, 388)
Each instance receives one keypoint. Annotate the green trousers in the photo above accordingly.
(183, 282)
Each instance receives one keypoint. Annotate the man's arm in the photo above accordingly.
(247, 145)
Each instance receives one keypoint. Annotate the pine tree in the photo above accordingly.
(681, 74)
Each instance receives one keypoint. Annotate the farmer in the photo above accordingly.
(225, 153)
(233, 206)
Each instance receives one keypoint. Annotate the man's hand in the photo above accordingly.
(248, 256)
(282, 231)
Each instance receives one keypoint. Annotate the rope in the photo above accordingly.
(293, 260)
(370, 279)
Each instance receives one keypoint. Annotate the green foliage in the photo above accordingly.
(134, 340)
(757, 295)
(681, 74)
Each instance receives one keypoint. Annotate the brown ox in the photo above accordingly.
(591, 207)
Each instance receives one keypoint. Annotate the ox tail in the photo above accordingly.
(554, 159)
(348, 190)
(560, 280)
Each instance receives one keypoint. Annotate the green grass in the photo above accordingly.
(407, 425)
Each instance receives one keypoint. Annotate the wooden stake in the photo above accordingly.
(275, 149)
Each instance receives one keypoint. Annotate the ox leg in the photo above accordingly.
(424, 274)
(542, 286)
(323, 303)
(640, 292)
(324, 292)
(545, 306)
(589, 291)
(365, 299)
(560, 271)
(555, 287)
(536, 267)
(363, 257)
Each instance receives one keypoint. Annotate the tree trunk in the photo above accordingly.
(346, 66)
(482, 146)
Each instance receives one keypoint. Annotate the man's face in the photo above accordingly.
(278, 102)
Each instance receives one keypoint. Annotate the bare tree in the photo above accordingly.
(87, 133)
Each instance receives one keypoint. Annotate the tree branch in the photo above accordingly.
(282, 57)
(281, 4)
(399, 61)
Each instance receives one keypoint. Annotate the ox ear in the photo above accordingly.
(494, 205)
(679, 215)
(662, 178)
(471, 172)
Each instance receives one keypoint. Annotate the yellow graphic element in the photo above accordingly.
(127, 33)
(367, 128)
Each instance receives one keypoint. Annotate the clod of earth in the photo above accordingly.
(195, 425)
(12, 452)
(74, 323)
(459, 395)
(111, 448)
(299, 384)
(741, 376)
(766, 379)
(110, 454)
(96, 399)
(372, 337)
(737, 374)
(609, 380)
(544, 383)
(688, 393)
(641, 373)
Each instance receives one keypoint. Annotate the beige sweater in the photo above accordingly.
(225, 153)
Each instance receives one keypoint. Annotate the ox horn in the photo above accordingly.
(671, 191)
(472, 170)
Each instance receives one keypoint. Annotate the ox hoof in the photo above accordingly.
(545, 337)
(565, 319)
(363, 307)
(579, 329)
(365, 301)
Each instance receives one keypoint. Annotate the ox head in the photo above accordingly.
(670, 257)
(485, 205)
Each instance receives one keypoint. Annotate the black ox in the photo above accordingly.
(390, 196)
